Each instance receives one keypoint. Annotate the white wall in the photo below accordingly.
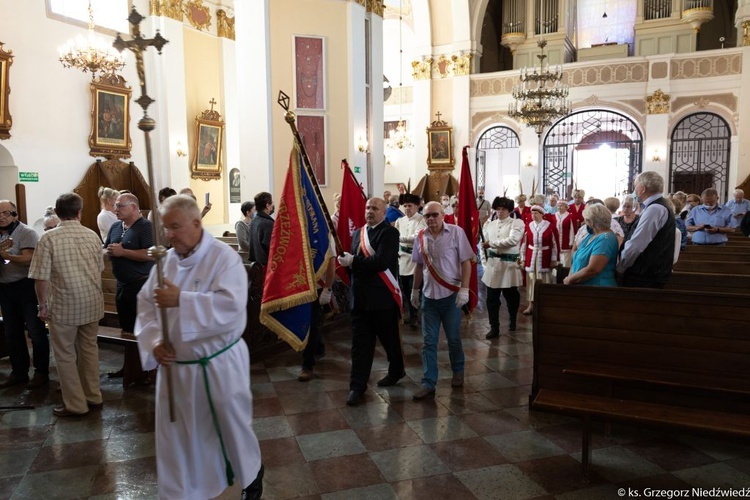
(51, 105)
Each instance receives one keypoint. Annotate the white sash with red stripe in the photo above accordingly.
(430, 266)
(387, 276)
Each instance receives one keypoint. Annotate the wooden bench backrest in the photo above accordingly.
(713, 266)
(719, 250)
(715, 256)
(679, 334)
(713, 283)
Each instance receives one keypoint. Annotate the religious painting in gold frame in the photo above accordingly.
(6, 121)
(110, 117)
(208, 145)
(440, 145)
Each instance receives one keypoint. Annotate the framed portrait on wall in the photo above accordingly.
(440, 145)
(110, 117)
(208, 145)
(6, 59)
(389, 127)
(309, 72)
(312, 130)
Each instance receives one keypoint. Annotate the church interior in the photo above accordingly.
(639, 85)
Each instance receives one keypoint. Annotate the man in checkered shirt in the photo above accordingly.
(67, 267)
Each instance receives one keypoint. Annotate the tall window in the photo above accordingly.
(617, 27)
(108, 14)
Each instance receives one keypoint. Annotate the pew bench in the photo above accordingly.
(712, 266)
(713, 283)
(131, 368)
(663, 358)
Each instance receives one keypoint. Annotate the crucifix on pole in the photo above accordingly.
(137, 45)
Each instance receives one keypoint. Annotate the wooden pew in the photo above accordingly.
(712, 283)
(713, 266)
(709, 249)
(663, 358)
(702, 256)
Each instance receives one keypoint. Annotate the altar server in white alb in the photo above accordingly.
(211, 443)
(502, 274)
(408, 227)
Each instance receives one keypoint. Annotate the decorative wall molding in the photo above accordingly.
(728, 100)
(657, 103)
(224, 24)
(198, 14)
(485, 119)
(167, 8)
(604, 74)
(442, 66)
(376, 7)
(745, 33)
(732, 119)
(421, 70)
(704, 67)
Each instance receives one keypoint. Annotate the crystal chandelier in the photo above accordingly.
(540, 97)
(398, 138)
(91, 54)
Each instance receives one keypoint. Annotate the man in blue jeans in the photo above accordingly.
(443, 256)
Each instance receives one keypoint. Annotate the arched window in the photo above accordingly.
(497, 163)
(699, 156)
(108, 14)
(597, 150)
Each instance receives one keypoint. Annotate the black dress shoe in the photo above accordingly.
(355, 398)
(512, 327)
(117, 374)
(254, 491)
(389, 380)
(493, 333)
(14, 379)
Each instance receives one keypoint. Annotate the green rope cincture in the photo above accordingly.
(204, 363)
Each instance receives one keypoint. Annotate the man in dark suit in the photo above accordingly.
(376, 299)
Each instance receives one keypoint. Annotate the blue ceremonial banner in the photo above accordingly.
(300, 246)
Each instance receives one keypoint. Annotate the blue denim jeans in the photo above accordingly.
(435, 312)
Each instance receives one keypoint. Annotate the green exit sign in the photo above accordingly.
(356, 169)
(28, 176)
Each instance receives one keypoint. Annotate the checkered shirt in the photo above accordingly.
(70, 258)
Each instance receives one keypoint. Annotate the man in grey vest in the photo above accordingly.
(647, 257)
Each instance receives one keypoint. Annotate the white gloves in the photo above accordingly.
(462, 298)
(325, 297)
(346, 259)
(415, 298)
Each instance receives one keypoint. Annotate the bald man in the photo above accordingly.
(127, 247)
(376, 299)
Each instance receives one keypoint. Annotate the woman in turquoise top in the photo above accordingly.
(594, 261)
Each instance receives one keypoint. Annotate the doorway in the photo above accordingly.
(498, 162)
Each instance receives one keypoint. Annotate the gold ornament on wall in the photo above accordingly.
(167, 8)
(745, 33)
(6, 121)
(421, 69)
(198, 14)
(461, 64)
(376, 7)
(657, 103)
(224, 24)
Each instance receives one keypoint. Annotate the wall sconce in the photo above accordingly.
(180, 152)
(362, 144)
(657, 156)
(528, 163)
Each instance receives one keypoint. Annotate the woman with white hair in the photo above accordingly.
(106, 217)
(594, 261)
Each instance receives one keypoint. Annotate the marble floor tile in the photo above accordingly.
(524, 445)
(63, 483)
(617, 464)
(716, 475)
(330, 444)
(345, 473)
(500, 481)
(120, 449)
(289, 481)
(267, 407)
(383, 491)
(432, 430)
(432, 488)
(369, 415)
(318, 421)
(462, 404)
(493, 422)
(272, 428)
(387, 437)
(17, 463)
(305, 402)
(71, 455)
(559, 474)
(408, 463)
(472, 453)
(281, 451)
(670, 454)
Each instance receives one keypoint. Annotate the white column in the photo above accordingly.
(657, 138)
(358, 125)
(165, 79)
(739, 172)
(232, 136)
(377, 154)
(461, 118)
(422, 119)
(255, 102)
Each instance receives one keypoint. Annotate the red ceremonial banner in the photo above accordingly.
(468, 220)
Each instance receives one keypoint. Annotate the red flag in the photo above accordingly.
(351, 209)
(468, 220)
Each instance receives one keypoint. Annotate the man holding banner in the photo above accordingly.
(376, 299)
